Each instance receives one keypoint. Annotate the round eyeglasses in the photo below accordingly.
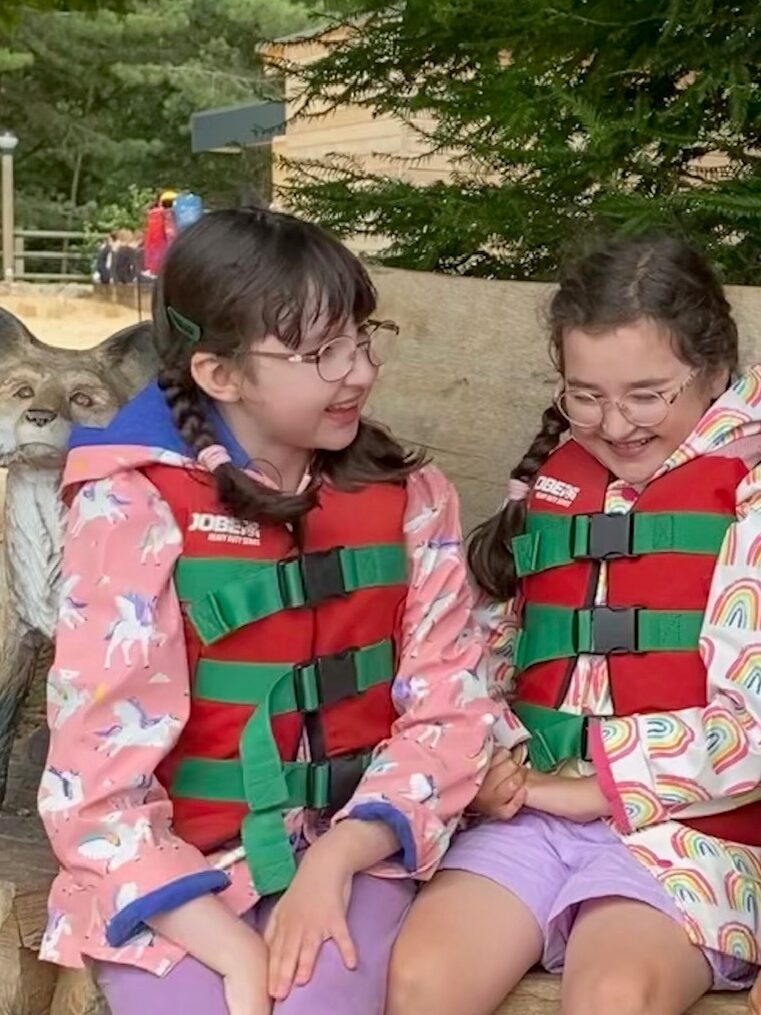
(641, 407)
(335, 358)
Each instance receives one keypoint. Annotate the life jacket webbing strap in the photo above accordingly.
(553, 540)
(296, 687)
(555, 736)
(269, 853)
(557, 632)
(308, 784)
(225, 595)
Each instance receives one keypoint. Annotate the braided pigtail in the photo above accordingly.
(489, 553)
(243, 496)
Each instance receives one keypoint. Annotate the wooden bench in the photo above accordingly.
(539, 994)
(29, 986)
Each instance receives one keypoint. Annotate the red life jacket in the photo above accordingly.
(660, 561)
(281, 639)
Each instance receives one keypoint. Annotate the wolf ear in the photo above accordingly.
(129, 357)
(14, 335)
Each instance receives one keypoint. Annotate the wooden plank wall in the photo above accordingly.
(472, 375)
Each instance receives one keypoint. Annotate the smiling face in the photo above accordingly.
(281, 410)
(623, 362)
(44, 391)
(290, 403)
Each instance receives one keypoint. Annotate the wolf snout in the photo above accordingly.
(40, 417)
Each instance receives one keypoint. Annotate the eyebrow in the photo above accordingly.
(648, 382)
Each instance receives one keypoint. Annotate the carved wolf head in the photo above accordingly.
(44, 391)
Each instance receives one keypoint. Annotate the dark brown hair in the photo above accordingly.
(239, 275)
(660, 278)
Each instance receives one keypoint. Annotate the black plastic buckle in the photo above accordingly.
(336, 677)
(614, 631)
(345, 772)
(322, 576)
(610, 536)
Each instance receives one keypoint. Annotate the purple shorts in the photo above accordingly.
(553, 865)
(375, 914)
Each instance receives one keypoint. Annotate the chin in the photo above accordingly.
(634, 475)
(339, 439)
(45, 455)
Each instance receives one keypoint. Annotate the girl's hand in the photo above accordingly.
(503, 791)
(576, 799)
(754, 1001)
(311, 911)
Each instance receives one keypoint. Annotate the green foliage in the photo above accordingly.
(11, 9)
(570, 118)
(101, 101)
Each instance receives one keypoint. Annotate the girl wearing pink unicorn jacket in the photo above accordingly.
(264, 712)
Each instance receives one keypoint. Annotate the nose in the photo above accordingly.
(614, 424)
(39, 417)
(363, 372)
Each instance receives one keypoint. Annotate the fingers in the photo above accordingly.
(506, 769)
(310, 949)
(270, 931)
(510, 783)
(292, 955)
(342, 938)
(285, 952)
(503, 782)
(508, 810)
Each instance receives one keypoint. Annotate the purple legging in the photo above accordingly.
(376, 911)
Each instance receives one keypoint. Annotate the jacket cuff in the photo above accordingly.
(398, 824)
(605, 777)
(133, 917)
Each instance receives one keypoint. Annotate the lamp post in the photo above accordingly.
(8, 142)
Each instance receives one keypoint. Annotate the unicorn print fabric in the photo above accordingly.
(119, 700)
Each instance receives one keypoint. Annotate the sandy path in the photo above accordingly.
(72, 322)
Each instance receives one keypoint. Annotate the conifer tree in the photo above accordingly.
(101, 99)
(569, 117)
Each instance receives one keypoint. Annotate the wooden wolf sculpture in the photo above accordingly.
(44, 391)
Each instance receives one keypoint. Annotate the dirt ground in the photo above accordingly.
(72, 321)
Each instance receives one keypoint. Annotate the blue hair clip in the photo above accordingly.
(184, 325)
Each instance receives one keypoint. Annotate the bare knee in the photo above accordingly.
(611, 991)
(415, 981)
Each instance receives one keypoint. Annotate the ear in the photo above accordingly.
(129, 357)
(219, 378)
(14, 335)
(718, 382)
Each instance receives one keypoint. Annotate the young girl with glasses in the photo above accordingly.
(267, 659)
(624, 601)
